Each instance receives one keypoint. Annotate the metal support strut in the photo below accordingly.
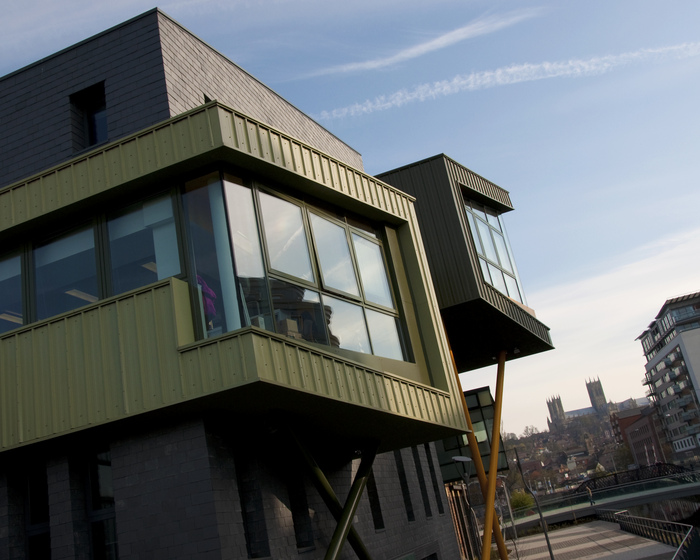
(479, 466)
(342, 514)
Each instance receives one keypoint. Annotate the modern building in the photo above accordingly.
(481, 299)
(471, 262)
(671, 346)
(216, 331)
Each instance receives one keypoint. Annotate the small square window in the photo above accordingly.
(89, 117)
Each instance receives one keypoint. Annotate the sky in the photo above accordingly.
(586, 112)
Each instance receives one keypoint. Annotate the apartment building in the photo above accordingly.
(671, 344)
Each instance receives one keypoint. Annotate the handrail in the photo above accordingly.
(549, 503)
(685, 538)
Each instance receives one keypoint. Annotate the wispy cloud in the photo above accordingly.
(609, 311)
(482, 26)
(509, 75)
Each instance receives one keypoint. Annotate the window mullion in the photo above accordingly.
(28, 284)
(102, 257)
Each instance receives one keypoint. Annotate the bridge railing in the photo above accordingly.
(572, 501)
(685, 538)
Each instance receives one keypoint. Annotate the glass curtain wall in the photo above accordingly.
(255, 257)
(275, 263)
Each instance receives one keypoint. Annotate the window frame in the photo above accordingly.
(345, 221)
(473, 210)
(350, 223)
(103, 271)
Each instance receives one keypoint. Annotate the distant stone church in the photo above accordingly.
(599, 406)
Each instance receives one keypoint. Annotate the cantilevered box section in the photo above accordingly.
(478, 289)
(365, 358)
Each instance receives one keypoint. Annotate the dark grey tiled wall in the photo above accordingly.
(35, 116)
(145, 82)
(193, 69)
(176, 497)
(164, 499)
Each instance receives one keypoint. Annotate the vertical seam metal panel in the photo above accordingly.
(89, 366)
(286, 364)
(177, 139)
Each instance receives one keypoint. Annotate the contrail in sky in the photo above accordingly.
(482, 26)
(509, 75)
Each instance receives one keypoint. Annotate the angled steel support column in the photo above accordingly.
(490, 497)
(345, 521)
(331, 500)
(480, 472)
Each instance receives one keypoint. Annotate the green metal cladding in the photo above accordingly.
(136, 352)
(186, 136)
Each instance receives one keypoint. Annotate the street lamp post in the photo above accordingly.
(543, 523)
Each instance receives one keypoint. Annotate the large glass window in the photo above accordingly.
(375, 281)
(250, 266)
(210, 253)
(143, 245)
(66, 273)
(254, 258)
(285, 236)
(11, 315)
(491, 241)
(359, 317)
(337, 271)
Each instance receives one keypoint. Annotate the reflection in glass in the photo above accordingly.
(143, 245)
(347, 325)
(491, 242)
(485, 234)
(247, 254)
(375, 280)
(475, 233)
(493, 220)
(210, 251)
(513, 290)
(384, 334)
(10, 293)
(298, 312)
(503, 252)
(479, 429)
(485, 270)
(66, 273)
(497, 279)
(334, 253)
(285, 235)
